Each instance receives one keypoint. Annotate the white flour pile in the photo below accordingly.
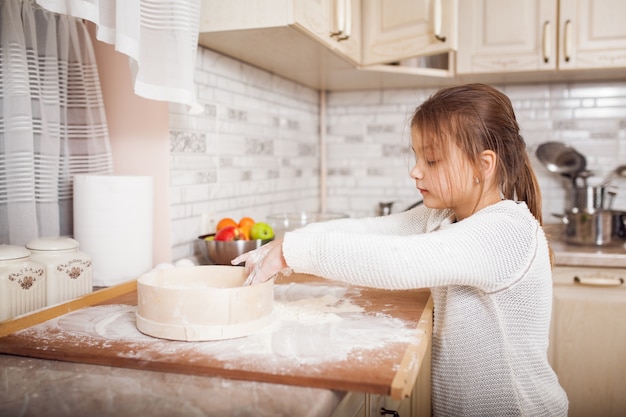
(310, 324)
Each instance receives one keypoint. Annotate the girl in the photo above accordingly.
(476, 242)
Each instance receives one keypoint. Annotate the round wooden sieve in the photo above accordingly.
(201, 303)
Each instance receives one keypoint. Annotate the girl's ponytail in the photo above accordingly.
(528, 189)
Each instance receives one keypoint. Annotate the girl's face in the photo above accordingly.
(444, 178)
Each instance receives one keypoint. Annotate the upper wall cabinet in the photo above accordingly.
(503, 36)
(394, 30)
(319, 42)
(593, 34)
(336, 23)
(276, 25)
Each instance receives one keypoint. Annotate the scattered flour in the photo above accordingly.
(310, 324)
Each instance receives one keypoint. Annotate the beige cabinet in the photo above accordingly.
(336, 24)
(417, 405)
(358, 404)
(588, 339)
(593, 34)
(319, 43)
(507, 36)
(401, 29)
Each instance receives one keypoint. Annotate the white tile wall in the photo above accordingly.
(253, 151)
(255, 148)
(369, 159)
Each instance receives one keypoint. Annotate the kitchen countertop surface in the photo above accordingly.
(37, 387)
(612, 256)
(60, 381)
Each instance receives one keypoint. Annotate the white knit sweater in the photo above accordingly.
(491, 283)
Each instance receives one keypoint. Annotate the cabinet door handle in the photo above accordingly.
(438, 21)
(599, 281)
(567, 40)
(547, 41)
(347, 21)
(339, 19)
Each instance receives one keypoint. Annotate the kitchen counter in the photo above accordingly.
(37, 387)
(612, 256)
(86, 355)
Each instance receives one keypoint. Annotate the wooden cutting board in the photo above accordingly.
(323, 334)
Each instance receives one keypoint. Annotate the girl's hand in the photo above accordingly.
(263, 263)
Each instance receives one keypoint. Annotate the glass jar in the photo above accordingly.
(68, 270)
(22, 282)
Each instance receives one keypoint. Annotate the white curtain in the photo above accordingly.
(52, 121)
(159, 36)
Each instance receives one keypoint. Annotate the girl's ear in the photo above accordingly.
(488, 163)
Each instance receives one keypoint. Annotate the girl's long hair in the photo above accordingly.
(478, 117)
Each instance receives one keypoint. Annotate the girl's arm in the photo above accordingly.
(409, 222)
(481, 251)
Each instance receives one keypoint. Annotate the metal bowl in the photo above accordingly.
(221, 252)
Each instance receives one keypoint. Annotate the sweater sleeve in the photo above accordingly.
(488, 250)
(418, 220)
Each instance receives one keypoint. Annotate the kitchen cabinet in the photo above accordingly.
(318, 43)
(358, 404)
(335, 23)
(401, 29)
(538, 35)
(587, 339)
(417, 405)
(420, 43)
(593, 34)
(276, 24)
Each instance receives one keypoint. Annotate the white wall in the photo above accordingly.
(255, 149)
(138, 130)
(368, 140)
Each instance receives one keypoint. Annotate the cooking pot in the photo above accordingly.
(587, 198)
(594, 228)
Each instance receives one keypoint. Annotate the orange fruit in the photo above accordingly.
(225, 222)
(245, 224)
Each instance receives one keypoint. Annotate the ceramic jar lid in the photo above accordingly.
(52, 244)
(11, 252)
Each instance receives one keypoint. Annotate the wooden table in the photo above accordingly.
(390, 334)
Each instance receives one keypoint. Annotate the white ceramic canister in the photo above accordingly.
(22, 282)
(68, 270)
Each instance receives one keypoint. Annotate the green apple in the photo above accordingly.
(261, 231)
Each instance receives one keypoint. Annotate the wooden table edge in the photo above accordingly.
(16, 324)
(404, 379)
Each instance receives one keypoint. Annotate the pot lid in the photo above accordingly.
(52, 243)
(9, 252)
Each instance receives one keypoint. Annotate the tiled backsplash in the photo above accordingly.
(368, 137)
(253, 151)
(255, 148)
